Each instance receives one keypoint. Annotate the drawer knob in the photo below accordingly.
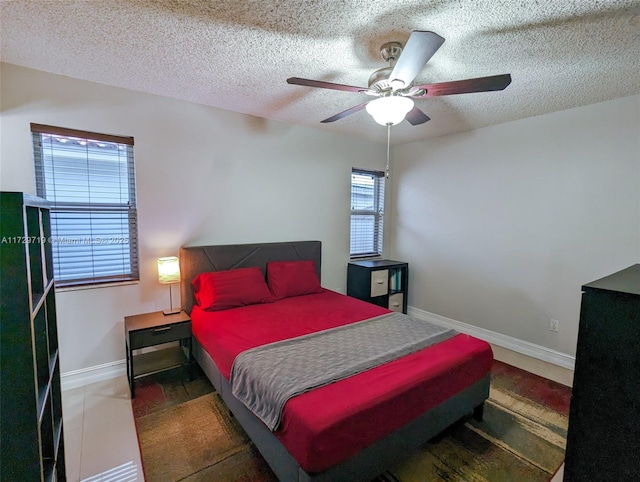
(395, 303)
(161, 330)
(380, 281)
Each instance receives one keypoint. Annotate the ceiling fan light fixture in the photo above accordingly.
(390, 110)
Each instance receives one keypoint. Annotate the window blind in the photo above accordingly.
(367, 212)
(90, 180)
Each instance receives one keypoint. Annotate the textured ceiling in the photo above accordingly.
(237, 55)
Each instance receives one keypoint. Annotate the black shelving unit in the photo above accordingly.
(383, 282)
(31, 434)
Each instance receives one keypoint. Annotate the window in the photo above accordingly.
(367, 212)
(90, 180)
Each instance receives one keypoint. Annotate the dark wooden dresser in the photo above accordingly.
(603, 442)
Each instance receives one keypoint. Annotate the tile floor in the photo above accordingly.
(100, 437)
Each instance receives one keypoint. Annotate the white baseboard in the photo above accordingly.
(510, 343)
(107, 371)
(98, 373)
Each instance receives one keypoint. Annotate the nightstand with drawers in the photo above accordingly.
(150, 329)
(383, 282)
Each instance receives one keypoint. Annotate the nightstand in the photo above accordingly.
(383, 282)
(149, 329)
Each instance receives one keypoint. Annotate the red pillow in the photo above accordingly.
(221, 290)
(292, 278)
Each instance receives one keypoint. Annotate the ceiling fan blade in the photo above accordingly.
(416, 53)
(417, 117)
(468, 86)
(345, 113)
(324, 85)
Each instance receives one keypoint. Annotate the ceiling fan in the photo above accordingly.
(393, 85)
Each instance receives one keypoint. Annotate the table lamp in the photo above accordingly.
(168, 274)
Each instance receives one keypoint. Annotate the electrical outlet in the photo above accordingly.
(554, 325)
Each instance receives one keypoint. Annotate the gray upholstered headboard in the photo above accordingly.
(201, 259)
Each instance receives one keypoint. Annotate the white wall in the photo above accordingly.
(204, 176)
(502, 225)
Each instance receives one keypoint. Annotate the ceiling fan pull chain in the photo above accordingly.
(388, 148)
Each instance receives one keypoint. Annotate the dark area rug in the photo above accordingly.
(522, 436)
(187, 434)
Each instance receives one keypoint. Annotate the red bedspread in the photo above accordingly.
(325, 426)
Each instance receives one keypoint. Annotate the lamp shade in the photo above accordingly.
(389, 110)
(168, 270)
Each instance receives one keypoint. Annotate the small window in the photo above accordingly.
(90, 180)
(367, 212)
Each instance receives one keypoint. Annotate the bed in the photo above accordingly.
(349, 430)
